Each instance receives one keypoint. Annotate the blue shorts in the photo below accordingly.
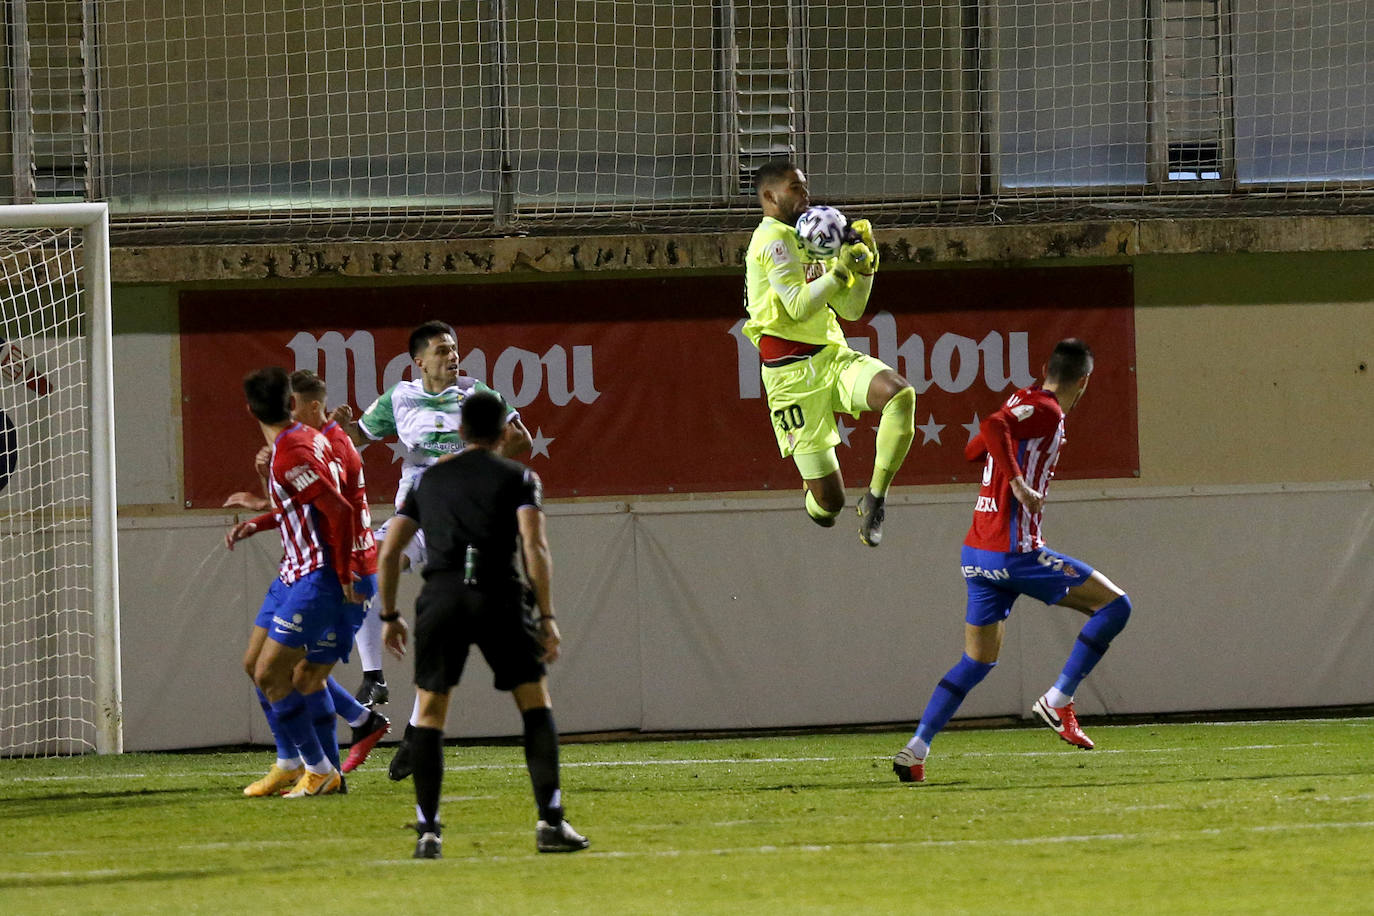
(995, 580)
(336, 645)
(301, 613)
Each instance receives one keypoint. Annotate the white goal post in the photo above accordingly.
(60, 688)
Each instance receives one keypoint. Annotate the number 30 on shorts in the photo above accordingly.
(789, 418)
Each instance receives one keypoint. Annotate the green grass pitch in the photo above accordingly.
(1237, 817)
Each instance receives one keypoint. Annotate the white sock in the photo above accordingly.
(366, 714)
(1057, 698)
(293, 764)
(369, 641)
(919, 747)
(415, 712)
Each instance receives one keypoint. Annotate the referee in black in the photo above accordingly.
(483, 520)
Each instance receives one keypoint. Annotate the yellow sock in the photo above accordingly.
(815, 510)
(896, 429)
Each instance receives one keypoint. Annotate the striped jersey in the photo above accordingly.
(353, 486)
(425, 423)
(302, 465)
(1021, 438)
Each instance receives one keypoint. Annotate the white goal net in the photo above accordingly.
(59, 674)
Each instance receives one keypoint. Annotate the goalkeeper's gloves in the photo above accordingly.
(853, 260)
(864, 230)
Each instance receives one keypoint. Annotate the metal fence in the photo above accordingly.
(401, 118)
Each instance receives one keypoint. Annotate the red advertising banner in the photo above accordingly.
(639, 386)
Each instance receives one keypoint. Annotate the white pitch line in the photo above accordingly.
(921, 844)
(710, 761)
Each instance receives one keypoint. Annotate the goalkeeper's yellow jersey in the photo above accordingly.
(778, 299)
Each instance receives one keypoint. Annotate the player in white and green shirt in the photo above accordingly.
(809, 371)
(422, 414)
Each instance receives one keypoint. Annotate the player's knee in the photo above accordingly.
(903, 405)
(1111, 618)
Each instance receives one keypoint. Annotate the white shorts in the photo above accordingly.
(415, 550)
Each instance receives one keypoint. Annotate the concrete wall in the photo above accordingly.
(1243, 544)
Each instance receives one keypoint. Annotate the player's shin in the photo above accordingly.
(320, 708)
(896, 429)
(947, 697)
(346, 706)
(427, 748)
(294, 720)
(288, 758)
(1092, 643)
(541, 757)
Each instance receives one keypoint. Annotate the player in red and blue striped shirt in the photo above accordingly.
(306, 602)
(1004, 556)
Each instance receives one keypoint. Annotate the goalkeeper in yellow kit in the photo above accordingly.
(809, 371)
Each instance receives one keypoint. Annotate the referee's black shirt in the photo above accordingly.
(472, 499)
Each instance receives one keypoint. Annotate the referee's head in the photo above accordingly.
(483, 419)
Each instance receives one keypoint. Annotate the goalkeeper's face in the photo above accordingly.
(787, 197)
(438, 362)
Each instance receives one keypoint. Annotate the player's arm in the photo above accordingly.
(539, 562)
(343, 415)
(341, 520)
(516, 440)
(787, 278)
(377, 422)
(1000, 433)
(262, 463)
(849, 302)
(247, 529)
(398, 534)
(860, 261)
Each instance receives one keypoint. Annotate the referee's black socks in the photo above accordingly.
(427, 752)
(541, 756)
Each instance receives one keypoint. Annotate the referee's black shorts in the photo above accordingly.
(450, 617)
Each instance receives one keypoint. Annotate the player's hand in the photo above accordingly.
(394, 636)
(245, 500)
(349, 595)
(864, 230)
(239, 532)
(1033, 500)
(342, 415)
(550, 639)
(262, 461)
(853, 261)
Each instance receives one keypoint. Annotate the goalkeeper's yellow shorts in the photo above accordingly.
(803, 397)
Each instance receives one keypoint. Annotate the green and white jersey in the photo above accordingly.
(425, 424)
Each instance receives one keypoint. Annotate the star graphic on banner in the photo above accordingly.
(930, 431)
(398, 451)
(844, 430)
(971, 427)
(539, 444)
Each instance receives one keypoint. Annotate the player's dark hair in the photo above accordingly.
(771, 171)
(1070, 361)
(483, 417)
(269, 394)
(308, 385)
(421, 336)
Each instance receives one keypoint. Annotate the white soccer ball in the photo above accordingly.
(822, 230)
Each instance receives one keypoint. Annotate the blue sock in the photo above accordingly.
(319, 708)
(294, 721)
(286, 750)
(1097, 634)
(348, 708)
(949, 693)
